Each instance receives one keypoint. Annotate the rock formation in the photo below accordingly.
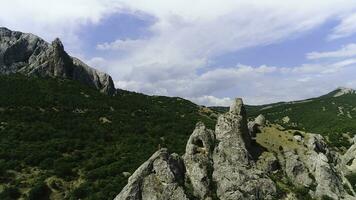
(161, 177)
(216, 165)
(220, 165)
(30, 55)
(253, 126)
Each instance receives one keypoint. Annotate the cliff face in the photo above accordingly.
(234, 162)
(30, 55)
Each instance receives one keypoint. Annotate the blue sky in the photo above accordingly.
(207, 51)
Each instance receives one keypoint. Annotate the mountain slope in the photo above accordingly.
(234, 162)
(30, 55)
(332, 115)
(62, 139)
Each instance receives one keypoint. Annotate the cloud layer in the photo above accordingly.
(177, 58)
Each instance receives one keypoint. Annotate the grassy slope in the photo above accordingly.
(52, 142)
(334, 117)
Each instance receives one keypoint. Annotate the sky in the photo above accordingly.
(207, 51)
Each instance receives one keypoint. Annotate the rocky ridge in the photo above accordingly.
(342, 91)
(226, 164)
(30, 55)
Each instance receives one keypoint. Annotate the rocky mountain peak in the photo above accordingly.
(343, 90)
(57, 44)
(30, 55)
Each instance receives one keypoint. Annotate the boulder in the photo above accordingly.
(254, 126)
(260, 120)
(160, 177)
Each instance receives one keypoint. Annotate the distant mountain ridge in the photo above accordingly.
(342, 91)
(28, 54)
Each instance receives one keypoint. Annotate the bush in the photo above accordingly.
(39, 192)
(10, 193)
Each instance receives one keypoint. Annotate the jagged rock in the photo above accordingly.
(254, 126)
(30, 55)
(159, 178)
(260, 120)
(198, 161)
(322, 165)
(296, 170)
(219, 165)
(329, 183)
(268, 162)
(215, 166)
(348, 160)
(234, 171)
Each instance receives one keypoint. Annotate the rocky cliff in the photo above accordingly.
(30, 55)
(237, 161)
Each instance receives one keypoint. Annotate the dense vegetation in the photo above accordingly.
(59, 138)
(333, 117)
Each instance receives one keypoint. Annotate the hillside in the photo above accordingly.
(332, 115)
(64, 140)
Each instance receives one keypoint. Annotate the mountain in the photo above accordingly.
(30, 55)
(341, 91)
(60, 139)
(63, 137)
(332, 115)
(233, 162)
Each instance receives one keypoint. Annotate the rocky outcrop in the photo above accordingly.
(161, 177)
(30, 55)
(235, 173)
(198, 161)
(223, 164)
(348, 160)
(316, 167)
(254, 126)
(217, 165)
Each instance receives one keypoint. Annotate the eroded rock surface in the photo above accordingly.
(217, 165)
(161, 177)
(228, 164)
(30, 55)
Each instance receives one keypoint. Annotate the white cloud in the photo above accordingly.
(212, 101)
(346, 28)
(346, 51)
(55, 18)
(186, 36)
(257, 85)
(125, 45)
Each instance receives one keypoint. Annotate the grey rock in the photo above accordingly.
(268, 162)
(235, 174)
(296, 170)
(30, 55)
(219, 165)
(260, 120)
(198, 161)
(158, 178)
(216, 165)
(348, 160)
(298, 138)
(322, 165)
(254, 126)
